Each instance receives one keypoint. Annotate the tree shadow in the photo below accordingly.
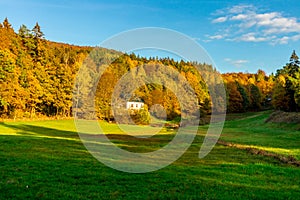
(124, 141)
(32, 130)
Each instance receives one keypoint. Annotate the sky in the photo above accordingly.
(240, 36)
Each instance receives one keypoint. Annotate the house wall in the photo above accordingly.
(134, 105)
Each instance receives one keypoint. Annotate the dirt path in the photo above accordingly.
(290, 160)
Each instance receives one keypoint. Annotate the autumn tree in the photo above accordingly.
(255, 98)
(36, 76)
(287, 84)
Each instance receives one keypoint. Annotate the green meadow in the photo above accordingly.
(47, 160)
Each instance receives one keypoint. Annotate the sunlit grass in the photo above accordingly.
(47, 160)
(254, 132)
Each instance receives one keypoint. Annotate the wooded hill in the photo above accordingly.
(37, 79)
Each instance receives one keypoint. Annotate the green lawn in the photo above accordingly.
(47, 160)
(253, 131)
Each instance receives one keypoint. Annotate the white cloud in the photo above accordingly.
(286, 39)
(239, 17)
(251, 37)
(295, 37)
(220, 20)
(216, 37)
(249, 25)
(265, 19)
(236, 63)
(275, 23)
(240, 8)
(196, 38)
(239, 62)
(283, 40)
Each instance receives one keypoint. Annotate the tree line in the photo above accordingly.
(37, 78)
(36, 75)
(253, 92)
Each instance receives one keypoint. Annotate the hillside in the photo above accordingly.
(37, 79)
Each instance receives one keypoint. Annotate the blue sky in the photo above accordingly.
(239, 35)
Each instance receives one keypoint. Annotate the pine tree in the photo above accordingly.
(294, 59)
(24, 32)
(37, 31)
(6, 24)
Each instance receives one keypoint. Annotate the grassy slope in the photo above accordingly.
(47, 160)
(253, 131)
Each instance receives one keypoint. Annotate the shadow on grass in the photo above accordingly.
(32, 130)
(124, 141)
(61, 169)
(27, 129)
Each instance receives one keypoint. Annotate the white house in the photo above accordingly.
(134, 105)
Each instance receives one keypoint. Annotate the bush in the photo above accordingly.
(284, 117)
(141, 116)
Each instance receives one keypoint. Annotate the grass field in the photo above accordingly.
(47, 160)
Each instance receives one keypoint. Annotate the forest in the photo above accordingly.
(37, 79)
